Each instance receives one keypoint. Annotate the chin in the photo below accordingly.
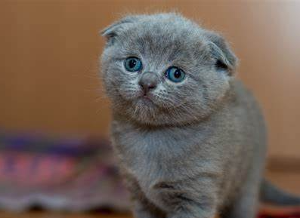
(150, 114)
(145, 102)
(143, 111)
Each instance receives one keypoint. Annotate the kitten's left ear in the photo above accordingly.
(111, 32)
(221, 51)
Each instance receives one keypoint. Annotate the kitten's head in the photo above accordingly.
(163, 69)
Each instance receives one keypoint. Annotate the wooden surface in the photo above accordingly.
(287, 180)
(49, 52)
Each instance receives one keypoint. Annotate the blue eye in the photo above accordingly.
(133, 64)
(175, 74)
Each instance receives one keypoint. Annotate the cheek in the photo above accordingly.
(119, 83)
(173, 95)
(189, 90)
(193, 95)
(217, 89)
(128, 86)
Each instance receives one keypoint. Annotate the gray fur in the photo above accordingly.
(196, 148)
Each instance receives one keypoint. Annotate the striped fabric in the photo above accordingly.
(71, 174)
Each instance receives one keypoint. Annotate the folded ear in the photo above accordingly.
(221, 51)
(111, 32)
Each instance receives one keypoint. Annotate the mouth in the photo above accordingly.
(146, 100)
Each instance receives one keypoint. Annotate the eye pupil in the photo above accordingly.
(177, 74)
(132, 63)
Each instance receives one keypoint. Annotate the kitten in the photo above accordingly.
(190, 137)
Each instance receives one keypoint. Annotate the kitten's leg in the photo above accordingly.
(140, 211)
(192, 210)
(195, 198)
(246, 203)
(146, 210)
(142, 207)
(245, 206)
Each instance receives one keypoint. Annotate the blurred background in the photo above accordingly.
(49, 53)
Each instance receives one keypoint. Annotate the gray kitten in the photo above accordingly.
(190, 137)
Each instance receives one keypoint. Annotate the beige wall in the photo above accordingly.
(49, 49)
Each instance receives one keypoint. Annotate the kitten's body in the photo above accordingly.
(202, 163)
(191, 149)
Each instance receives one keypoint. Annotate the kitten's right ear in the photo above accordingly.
(111, 32)
(226, 59)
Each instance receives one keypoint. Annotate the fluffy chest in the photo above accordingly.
(147, 154)
(153, 155)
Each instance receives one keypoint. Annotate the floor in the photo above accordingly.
(288, 180)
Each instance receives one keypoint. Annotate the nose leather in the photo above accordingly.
(148, 81)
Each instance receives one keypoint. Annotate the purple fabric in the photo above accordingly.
(70, 174)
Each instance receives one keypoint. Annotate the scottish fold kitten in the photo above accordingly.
(190, 137)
